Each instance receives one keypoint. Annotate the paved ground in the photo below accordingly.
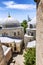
(17, 59)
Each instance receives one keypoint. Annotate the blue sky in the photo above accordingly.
(19, 9)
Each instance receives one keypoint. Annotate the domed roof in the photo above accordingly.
(9, 21)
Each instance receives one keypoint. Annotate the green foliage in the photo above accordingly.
(30, 57)
(24, 24)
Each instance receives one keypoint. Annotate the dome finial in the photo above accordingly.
(9, 15)
(29, 19)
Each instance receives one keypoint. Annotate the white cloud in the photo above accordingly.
(9, 3)
(13, 5)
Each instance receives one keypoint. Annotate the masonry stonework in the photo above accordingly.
(2, 58)
(39, 34)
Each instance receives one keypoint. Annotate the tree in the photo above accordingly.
(30, 57)
(24, 24)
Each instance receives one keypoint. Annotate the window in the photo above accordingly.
(15, 47)
(4, 34)
(0, 27)
(31, 34)
(14, 33)
(31, 26)
(18, 33)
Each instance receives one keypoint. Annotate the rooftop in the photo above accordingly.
(9, 40)
(26, 35)
(31, 44)
(31, 28)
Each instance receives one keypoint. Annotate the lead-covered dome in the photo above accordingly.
(9, 22)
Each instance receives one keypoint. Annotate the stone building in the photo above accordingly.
(11, 28)
(15, 44)
(39, 34)
(30, 32)
(11, 33)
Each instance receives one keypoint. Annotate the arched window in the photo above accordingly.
(31, 26)
(4, 34)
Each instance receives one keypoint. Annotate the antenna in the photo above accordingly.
(29, 18)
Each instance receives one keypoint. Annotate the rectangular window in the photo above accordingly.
(32, 34)
(18, 33)
(14, 33)
(4, 34)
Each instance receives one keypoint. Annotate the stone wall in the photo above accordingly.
(2, 58)
(39, 34)
(28, 39)
(17, 32)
